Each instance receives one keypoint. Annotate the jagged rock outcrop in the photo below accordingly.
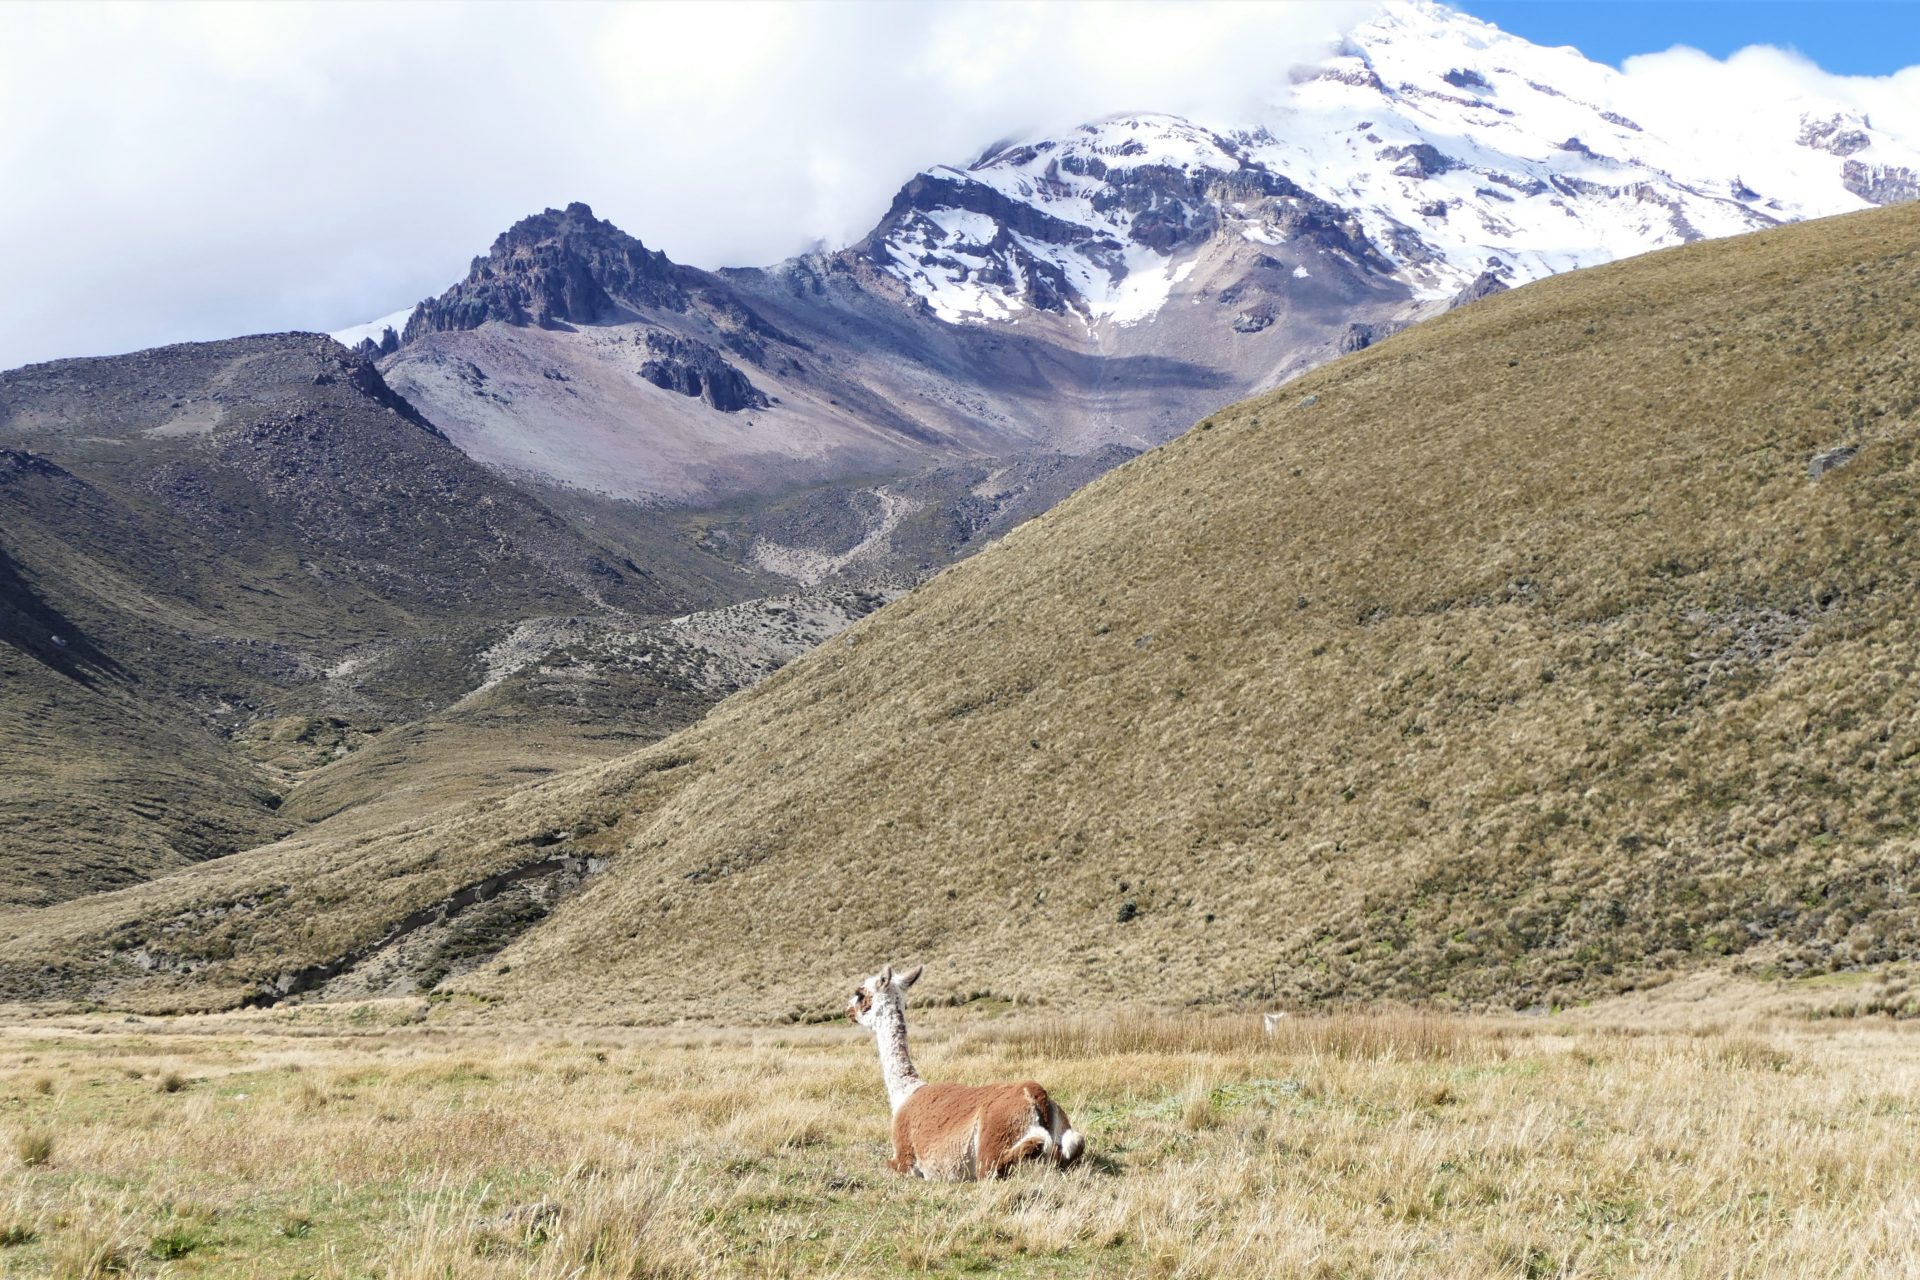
(1423, 160)
(389, 343)
(696, 369)
(557, 266)
(1484, 285)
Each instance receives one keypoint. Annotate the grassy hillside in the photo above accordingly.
(1515, 661)
(222, 564)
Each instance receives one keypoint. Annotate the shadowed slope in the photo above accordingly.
(207, 550)
(1517, 659)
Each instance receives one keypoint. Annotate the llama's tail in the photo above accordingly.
(1052, 1134)
(1066, 1139)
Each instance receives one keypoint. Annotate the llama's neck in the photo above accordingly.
(896, 1068)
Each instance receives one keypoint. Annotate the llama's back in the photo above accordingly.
(956, 1131)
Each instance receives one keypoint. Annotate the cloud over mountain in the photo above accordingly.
(193, 172)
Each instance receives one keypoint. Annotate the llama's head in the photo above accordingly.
(885, 989)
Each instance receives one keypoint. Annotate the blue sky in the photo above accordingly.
(1850, 37)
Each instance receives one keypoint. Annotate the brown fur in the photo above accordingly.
(957, 1131)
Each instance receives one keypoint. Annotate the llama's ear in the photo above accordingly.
(886, 975)
(910, 977)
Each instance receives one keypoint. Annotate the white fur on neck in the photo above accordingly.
(896, 1067)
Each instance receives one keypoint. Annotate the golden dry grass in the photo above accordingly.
(353, 1142)
(1514, 662)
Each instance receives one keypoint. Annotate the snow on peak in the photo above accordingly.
(1452, 147)
(354, 335)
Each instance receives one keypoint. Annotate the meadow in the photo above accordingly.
(368, 1141)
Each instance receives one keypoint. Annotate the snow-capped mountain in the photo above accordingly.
(1108, 285)
(1427, 141)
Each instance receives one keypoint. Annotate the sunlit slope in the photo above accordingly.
(1515, 660)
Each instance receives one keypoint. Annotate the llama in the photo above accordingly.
(955, 1132)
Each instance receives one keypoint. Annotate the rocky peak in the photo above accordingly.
(556, 267)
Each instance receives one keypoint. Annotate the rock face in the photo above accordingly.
(696, 369)
(1082, 224)
(1883, 184)
(1841, 134)
(1831, 460)
(555, 267)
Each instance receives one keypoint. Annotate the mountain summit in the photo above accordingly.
(1105, 286)
(553, 267)
(1428, 141)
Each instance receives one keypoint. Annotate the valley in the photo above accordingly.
(1355, 633)
(1291, 540)
(1497, 711)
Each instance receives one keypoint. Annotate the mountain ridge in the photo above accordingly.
(1109, 283)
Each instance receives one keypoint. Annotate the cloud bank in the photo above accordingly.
(183, 172)
(180, 172)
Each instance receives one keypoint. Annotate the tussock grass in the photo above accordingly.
(34, 1147)
(1512, 1148)
(1411, 1035)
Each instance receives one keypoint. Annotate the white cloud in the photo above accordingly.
(1686, 79)
(186, 172)
(1685, 88)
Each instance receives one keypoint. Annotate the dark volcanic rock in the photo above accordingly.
(555, 267)
(696, 369)
(1420, 160)
(1254, 319)
(388, 344)
(1484, 285)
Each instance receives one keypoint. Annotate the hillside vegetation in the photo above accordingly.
(1514, 661)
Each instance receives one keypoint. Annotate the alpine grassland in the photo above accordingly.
(364, 1141)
